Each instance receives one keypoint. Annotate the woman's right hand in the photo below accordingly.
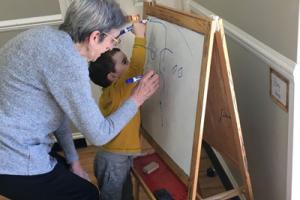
(145, 88)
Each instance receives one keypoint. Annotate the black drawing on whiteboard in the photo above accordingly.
(186, 42)
(162, 70)
(174, 69)
(180, 72)
(177, 71)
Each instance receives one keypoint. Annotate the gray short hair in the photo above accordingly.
(85, 16)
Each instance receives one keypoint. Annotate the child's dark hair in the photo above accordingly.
(99, 69)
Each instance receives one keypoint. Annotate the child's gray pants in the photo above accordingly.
(113, 175)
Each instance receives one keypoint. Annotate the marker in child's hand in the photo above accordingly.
(134, 79)
(129, 28)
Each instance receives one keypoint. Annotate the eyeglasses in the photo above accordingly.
(115, 40)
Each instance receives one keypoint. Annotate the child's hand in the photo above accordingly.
(139, 29)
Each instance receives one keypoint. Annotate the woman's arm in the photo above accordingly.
(64, 138)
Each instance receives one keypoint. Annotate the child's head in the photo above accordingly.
(108, 67)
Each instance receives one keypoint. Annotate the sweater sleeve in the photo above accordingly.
(70, 87)
(137, 61)
(64, 138)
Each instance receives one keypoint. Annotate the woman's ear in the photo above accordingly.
(94, 37)
(112, 76)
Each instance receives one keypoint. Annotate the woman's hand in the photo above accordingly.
(145, 88)
(78, 170)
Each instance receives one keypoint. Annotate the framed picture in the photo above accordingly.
(279, 89)
(138, 2)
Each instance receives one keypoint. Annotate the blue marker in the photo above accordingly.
(129, 28)
(134, 79)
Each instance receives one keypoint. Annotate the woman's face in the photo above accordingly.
(96, 48)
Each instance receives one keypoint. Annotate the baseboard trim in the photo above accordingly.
(30, 22)
(79, 143)
(77, 135)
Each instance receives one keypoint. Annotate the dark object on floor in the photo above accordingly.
(79, 143)
(60, 159)
(218, 168)
(211, 172)
(162, 194)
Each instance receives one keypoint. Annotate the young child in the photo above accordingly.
(113, 161)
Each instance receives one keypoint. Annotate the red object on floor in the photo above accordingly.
(162, 178)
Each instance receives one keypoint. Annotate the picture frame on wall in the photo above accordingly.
(279, 89)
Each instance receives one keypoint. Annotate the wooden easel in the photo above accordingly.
(222, 129)
(217, 119)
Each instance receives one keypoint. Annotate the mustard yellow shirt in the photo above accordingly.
(128, 141)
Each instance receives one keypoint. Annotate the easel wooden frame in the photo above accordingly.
(214, 44)
(222, 128)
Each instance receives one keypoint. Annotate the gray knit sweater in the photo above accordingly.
(43, 79)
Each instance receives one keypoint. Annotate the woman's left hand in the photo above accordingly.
(77, 169)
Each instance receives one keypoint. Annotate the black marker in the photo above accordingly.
(134, 79)
(129, 28)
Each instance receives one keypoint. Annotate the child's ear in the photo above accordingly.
(112, 76)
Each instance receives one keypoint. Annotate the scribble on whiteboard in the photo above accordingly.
(177, 71)
(162, 70)
(174, 69)
(159, 55)
(152, 53)
(186, 42)
(164, 27)
(180, 72)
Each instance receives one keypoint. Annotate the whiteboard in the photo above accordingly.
(175, 53)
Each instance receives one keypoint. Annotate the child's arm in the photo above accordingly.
(139, 29)
(137, 61)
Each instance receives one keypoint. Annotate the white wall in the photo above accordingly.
(295, 141)
(274, 22)
(5, 36)
(264, 124)
(17, 16)
(267, 129)
(16, 9)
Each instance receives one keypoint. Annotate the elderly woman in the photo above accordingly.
(44, 80)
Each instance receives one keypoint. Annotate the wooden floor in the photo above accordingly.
(208, 185)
